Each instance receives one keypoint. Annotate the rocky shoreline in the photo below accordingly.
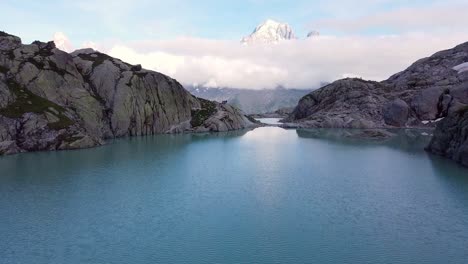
(417, 97)
(53, 100)
(431, 93)
(450, 139)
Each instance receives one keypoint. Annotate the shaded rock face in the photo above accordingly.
(347, 103)
(396, 113)
(451, 137)
(427, 91)
(52, 100)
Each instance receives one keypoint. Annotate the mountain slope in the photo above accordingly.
(252, 101)
(419, 96)
(52, 100)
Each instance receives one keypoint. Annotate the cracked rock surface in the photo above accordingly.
(427, 91)
(451, 137)
(53, 100)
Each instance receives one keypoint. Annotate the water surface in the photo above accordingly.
(264, 196)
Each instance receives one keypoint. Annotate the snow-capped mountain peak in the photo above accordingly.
(270, 31)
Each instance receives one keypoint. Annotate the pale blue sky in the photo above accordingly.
(124, 20)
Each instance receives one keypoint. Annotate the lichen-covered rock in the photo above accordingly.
(451, 137)
(427, 91)
(52, 100)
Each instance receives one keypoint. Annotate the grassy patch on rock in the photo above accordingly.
(97, 58)
(463, 109)
(199, 116)
(28, 102)
(251, 119)
(3, 69)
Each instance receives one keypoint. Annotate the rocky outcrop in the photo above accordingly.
(347, 103)
(426, 92)
(52, 100)
(280, 113)
(396, 113)
(451, 137)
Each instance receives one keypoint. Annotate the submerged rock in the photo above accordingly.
(52, 100)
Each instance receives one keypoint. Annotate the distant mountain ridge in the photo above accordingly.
(249, 100)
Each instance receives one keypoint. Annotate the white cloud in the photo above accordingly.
(419, 32)
(90, 44)
(216, 69)
(62, 42)
(292, 64)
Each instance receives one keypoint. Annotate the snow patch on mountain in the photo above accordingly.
(461, 67)
(268, 32)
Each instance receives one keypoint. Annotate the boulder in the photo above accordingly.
(396, 113)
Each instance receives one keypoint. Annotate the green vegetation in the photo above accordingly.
(97, 58)
(199, 116)
(63, 123)
(27, 102)
(3, 69)
(47, 64)
(53, 66)
(68, 138)
(251, 119)
(463, 110)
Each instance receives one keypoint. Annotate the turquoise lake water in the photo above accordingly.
(264, 196)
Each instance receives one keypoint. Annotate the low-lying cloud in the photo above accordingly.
(291, 64)
(303, 64)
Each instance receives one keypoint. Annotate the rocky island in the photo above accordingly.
(431, 92)
(419, 96)
(53, 100)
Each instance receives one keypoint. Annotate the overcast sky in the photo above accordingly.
(198, 41)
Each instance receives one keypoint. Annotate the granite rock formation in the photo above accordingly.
(451, 137)
(419, 96)
(53, 100)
